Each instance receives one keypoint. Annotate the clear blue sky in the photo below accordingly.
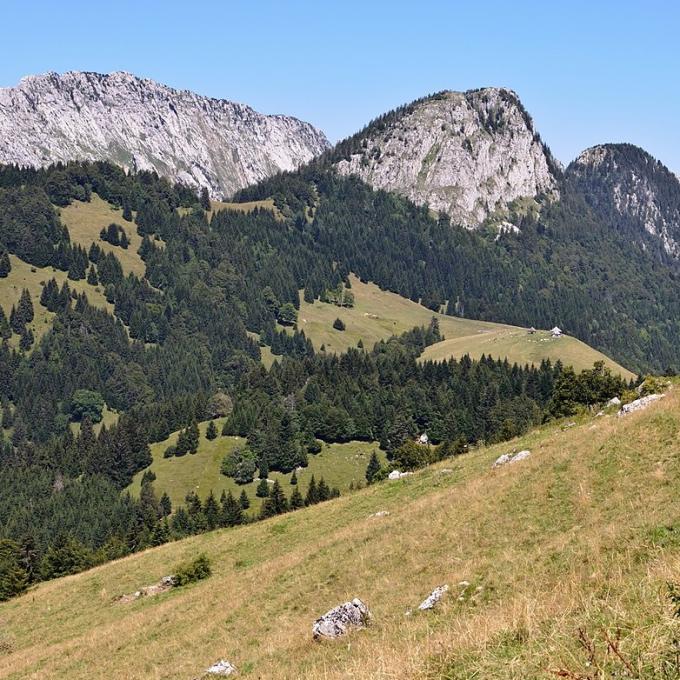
(588, 72)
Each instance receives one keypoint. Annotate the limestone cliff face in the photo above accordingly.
(142, 125)
(465, 153)
(635, 192)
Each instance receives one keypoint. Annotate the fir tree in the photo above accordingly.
(211, 511)
(232, 512)
(25, 307)
(15, 321)
(26, 339)
(193, 437)
(5, 265)
(127, 211)
(211, 432)
(124, 242)
(262, 490)
(92, 276)
(275, 503)
(312, 496)
(323, 492)
(5, 330)
(94, 253)
(13, 575)
(205, 199)
(243, 500)
(373, 468)
(165, 505)
(296, 499)
(293, 478)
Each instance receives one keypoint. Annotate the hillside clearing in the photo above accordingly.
(86, 220)
(377, 314)
(581, 535)
(339, 464)
(24, 275)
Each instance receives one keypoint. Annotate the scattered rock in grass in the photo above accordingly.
(510, 458)
(339, 620)
(599, 414)
(433, 598)
(566, 426)
(639, 404)
(166, 583)
(222, 668)
(614, 401)
(380, 513)
(395, 474)
(445, 471)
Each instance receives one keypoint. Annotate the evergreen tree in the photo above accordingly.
(181, 524)
(212, 511)
(192, 437)
(232, 512)
(262, 490)
(94, 253)
(13, 575)
(312, 496)
(373, 468)
(127, 211)
(5, 330)
(15, 321)
(26, 340)
(165, 505)
(211, 432)
(92, 276)
(296, 499)
(339, 324)
(293, 478)
(275, 503)
(124, 242)
(243, 500)
(25, 307)
(323, 492)
(65, 556)
(205, 199)
(5, 265)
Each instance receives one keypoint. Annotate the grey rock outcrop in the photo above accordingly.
(465, 153)
(221, 669)
(509, 458)
(341, 619)
(639, 404)
(433, 598)
(143, 125)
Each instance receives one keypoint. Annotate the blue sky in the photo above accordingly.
(588, 72)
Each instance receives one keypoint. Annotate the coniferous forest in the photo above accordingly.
(178, 346)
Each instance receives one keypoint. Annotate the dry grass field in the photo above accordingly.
(584, 535)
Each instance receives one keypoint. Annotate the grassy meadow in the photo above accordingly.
(339, 464)
(584, 535)
(378, 314)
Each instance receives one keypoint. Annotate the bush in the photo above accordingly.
(193, 571)
(86, 403)
(412, 456)
(339, 325)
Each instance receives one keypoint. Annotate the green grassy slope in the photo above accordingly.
(338, 464)
(378, 314)
(584, 534)
(24, 275)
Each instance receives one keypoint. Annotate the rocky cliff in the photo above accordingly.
(465, 153)
(143, 125)
(635, 192)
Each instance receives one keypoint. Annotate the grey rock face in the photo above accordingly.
(465, 153)
(639, 404)
(341, 619)
(142, 125)
(509, 458)
(632, 190)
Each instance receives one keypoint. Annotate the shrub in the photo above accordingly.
(412, 456)
(193, 571)
(339, 325)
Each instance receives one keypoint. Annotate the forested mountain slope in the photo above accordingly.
(546, 559)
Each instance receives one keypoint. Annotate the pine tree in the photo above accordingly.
(13, 575)
(127, 212)
(293, 478)
(92, 276)
(205, 199)
(25, 307)
(296, 499)
(243, 500)
(373, 468)
(312, 496)
(15, 322)
(193, 437)
(165, 505)
(232, 512)
(94, 253)
(26, 339)
(262, 490)
(276, 503)
(211, 511)
(5, 265)
(323, 492)
(211, 432)
(124, 241)
(5, 330)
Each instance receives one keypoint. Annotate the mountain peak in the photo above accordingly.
(633, 190)
(144, 125)
(464, 153)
